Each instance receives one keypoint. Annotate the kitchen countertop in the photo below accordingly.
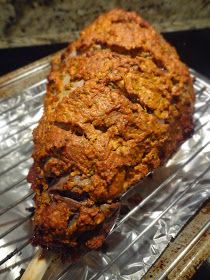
(39, 22)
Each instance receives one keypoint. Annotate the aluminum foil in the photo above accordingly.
(153, 212)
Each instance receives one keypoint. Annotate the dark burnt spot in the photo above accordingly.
(134, 98)
(175, 99)
(70, 194)
(51, 181)
(149, 110)
(174, 81)
(162, 154)
(63, 56)
(135, 126)
(159, 64)
(74, 128)
(102, 127)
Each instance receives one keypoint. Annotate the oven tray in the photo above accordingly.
(153, 212)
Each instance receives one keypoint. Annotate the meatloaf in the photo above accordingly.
(119, 102)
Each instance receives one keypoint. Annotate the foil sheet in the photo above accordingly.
(153, 212)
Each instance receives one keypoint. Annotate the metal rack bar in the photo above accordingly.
(13, 185)
(14, 165)
(16, 240)
(16, 226)
(13, 253)
(12, 205)
(16, 148)
(8, 268)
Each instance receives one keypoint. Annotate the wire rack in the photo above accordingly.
(19, 115)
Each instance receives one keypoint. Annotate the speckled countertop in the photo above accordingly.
(25, 23)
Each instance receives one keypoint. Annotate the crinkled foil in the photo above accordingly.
(153, 212)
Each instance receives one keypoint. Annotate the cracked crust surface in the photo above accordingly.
(119, 102)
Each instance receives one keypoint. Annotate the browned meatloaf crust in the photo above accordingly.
(119, 102)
